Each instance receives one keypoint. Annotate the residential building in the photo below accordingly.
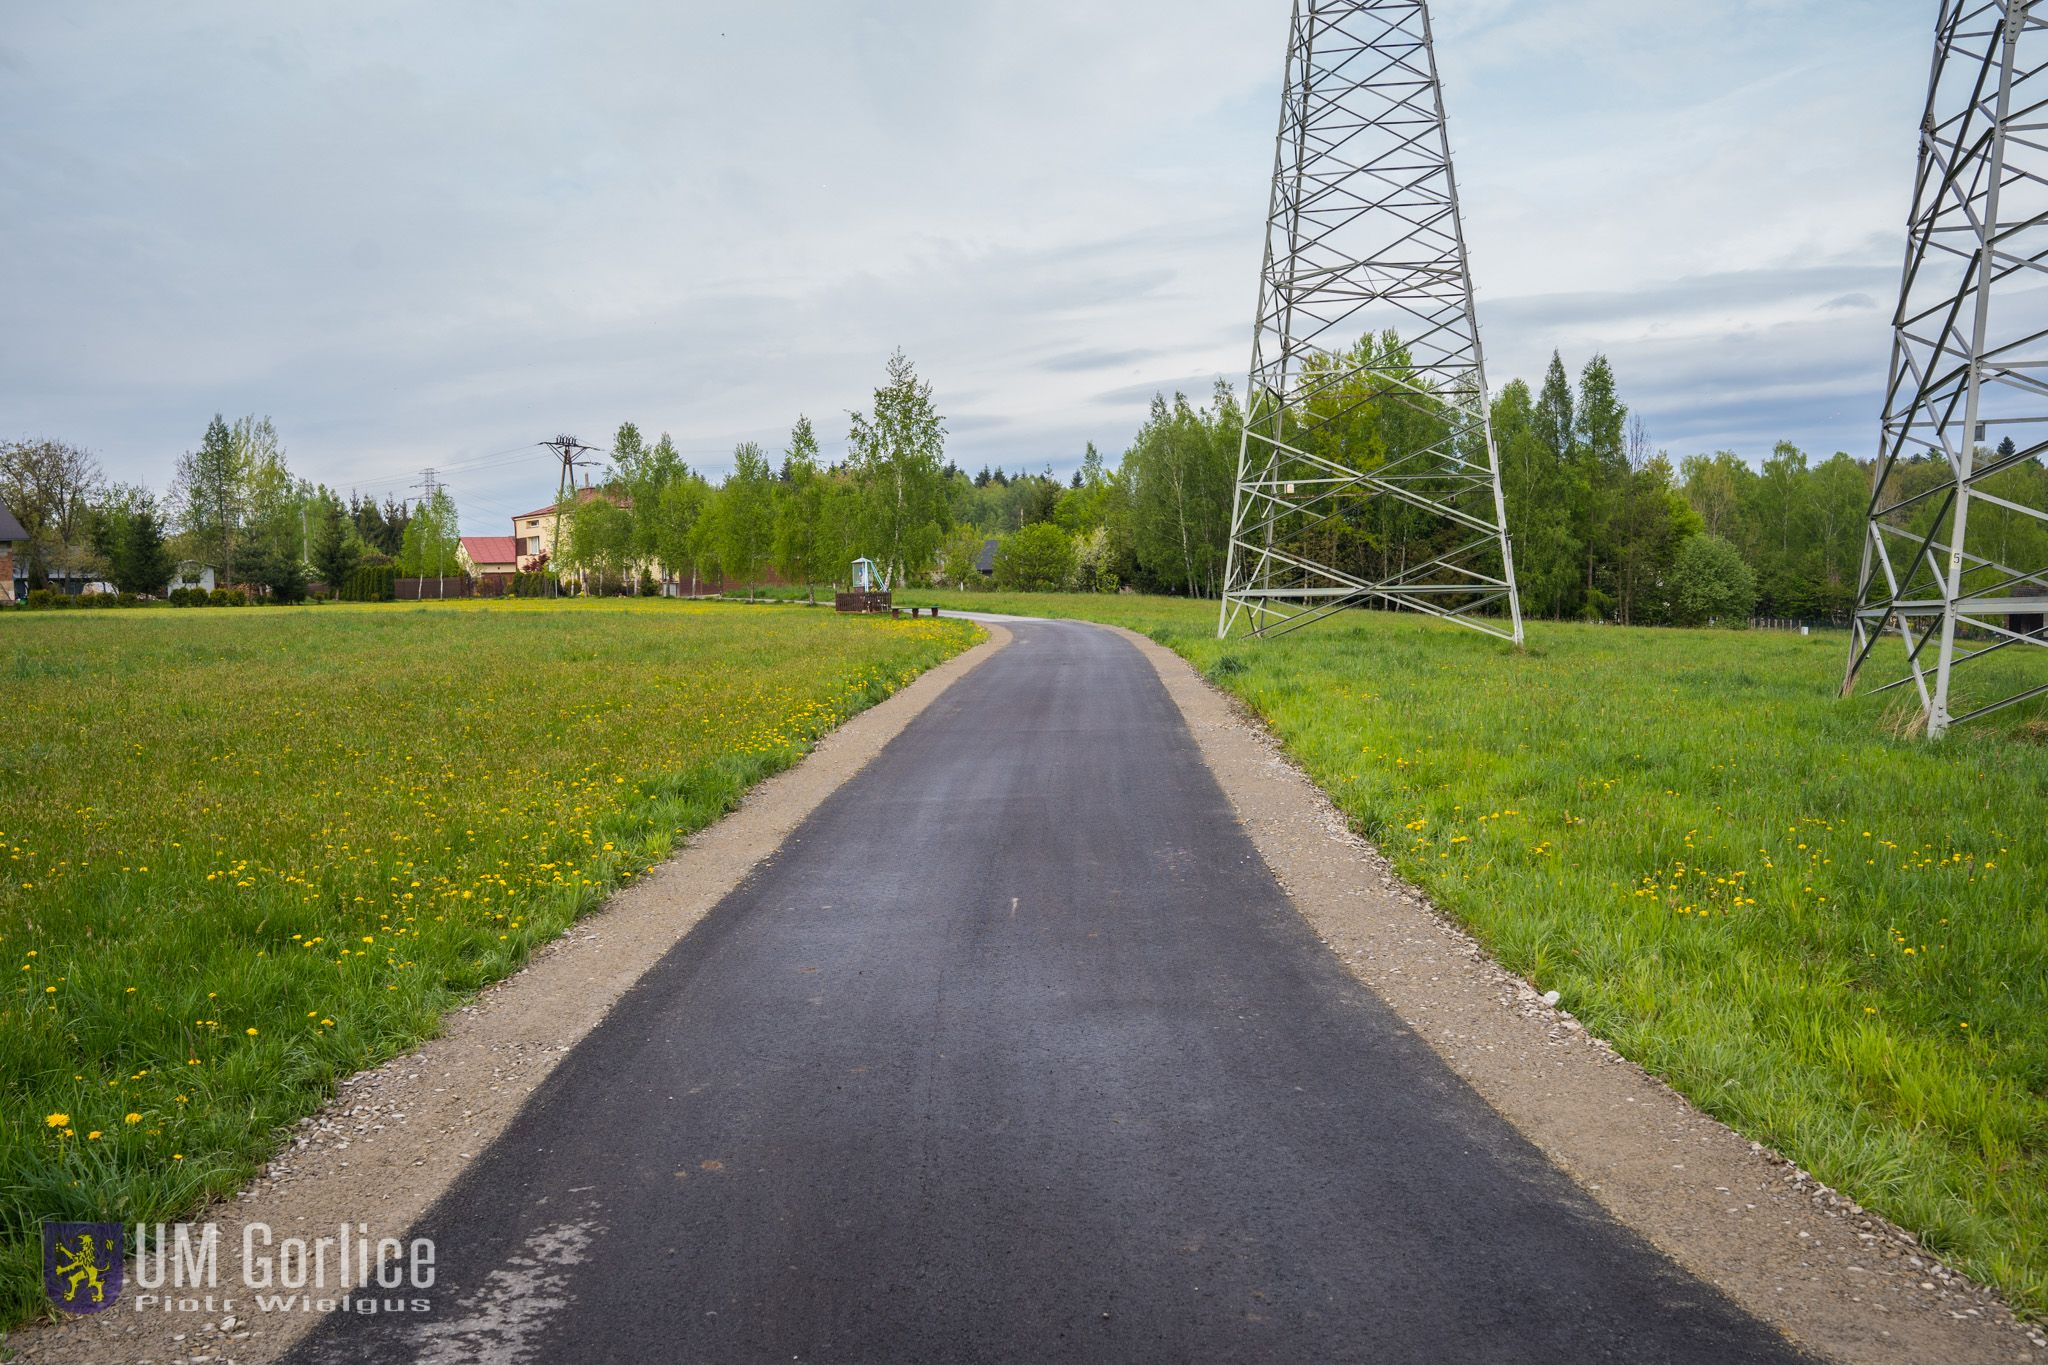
(490, 555)
(13, 559)
(533, 533)
(190, 573)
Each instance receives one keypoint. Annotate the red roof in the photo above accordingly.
(491, 549)
(582, 495)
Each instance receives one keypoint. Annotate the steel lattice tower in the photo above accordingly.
(1969, 373)
(1363, 237)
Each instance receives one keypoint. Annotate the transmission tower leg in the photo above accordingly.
(1366, 405)
(1968, 346)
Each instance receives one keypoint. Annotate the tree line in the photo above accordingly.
(233, 505)
(1604, 526)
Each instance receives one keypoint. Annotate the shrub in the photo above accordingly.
(45, 599)
(369, 583)
(1039, 558)
(227, 597)
(1094, 563)
(188, 597)
(1710, 582)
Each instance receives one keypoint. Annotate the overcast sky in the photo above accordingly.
(430, 235)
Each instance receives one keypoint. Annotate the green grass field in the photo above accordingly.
(1833, 939)
(250, 852)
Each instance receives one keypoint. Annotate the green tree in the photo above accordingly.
(1536, 485)
(1600, 456)
(1709, 582)
(1182, 470)
(799, 511)
(432, 547)
(49, 486)
(336, 551)
(678, 510)
(746, 516)
(960, 561)
(1039, 558)
(597, 539)
(276, 569)
(895, 454)
(1717, 487)
(647, 475)
(142, 562)
(1649, 521)
(211, 495)
(274, 502)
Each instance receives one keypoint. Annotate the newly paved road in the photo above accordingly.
(1016, 1052)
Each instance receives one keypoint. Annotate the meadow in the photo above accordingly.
(251, 852)
(1831, 937)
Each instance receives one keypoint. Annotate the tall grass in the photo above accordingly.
(1833, 937)
(247, 853)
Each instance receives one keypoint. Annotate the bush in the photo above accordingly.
(369, 583)
(1710, 582)
(46, 599)
(1095, 564)
(227, 597)
(188, 597)
(1039, 558)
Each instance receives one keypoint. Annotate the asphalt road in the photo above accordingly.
(1016, 1052)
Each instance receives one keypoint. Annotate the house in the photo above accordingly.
(985, 565)
(190, 573)
(13, 565)
(533, 533)
(490, 555)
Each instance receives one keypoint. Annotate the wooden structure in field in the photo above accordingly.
(870, 590)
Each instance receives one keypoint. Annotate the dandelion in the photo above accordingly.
(57, 1120)
(131, 1118)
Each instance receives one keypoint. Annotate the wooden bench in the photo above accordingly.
(897, 612)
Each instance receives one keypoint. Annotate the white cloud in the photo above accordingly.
(418, 235)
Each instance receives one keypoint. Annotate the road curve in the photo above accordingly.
(1016, 1052)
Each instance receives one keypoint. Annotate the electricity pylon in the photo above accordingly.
(1955, 554)
(1363, 237)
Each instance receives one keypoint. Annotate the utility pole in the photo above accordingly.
(1364, 239)
(1968, 356)
(569, 451)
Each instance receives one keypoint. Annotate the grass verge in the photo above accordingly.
(1832, 938)
(248, 853)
